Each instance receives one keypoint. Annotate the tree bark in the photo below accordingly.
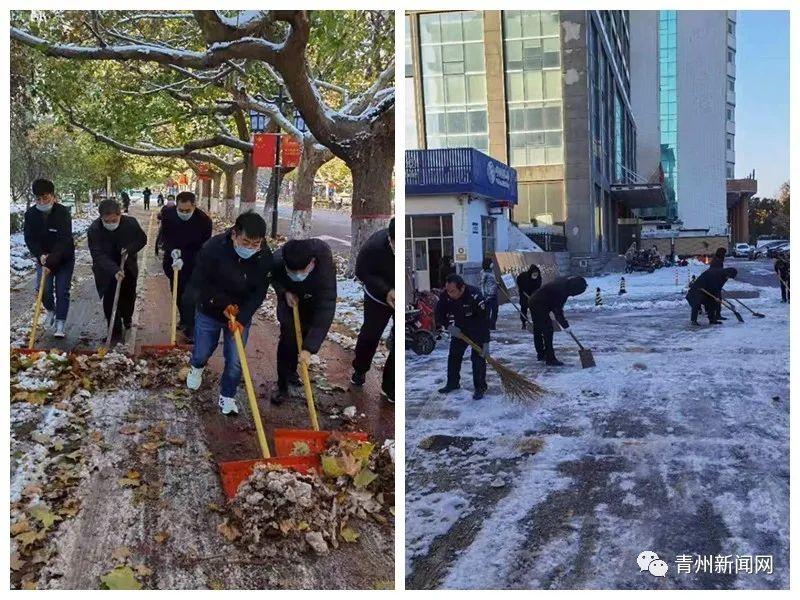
(229, 195)
(372, 195)
(312, 159)
(247, 196)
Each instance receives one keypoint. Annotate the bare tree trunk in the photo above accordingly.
(312, 159)
(216, 183)
(229, 195)
(247, 197)
(372, 194)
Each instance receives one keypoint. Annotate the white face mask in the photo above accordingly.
(111, 226)
(185, 216)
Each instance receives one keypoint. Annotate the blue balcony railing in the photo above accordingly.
(459, 171)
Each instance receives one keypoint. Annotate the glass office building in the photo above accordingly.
(501, 82)
(668, 104)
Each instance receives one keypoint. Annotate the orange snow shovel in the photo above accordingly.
(234, 473)
(305, 442)
(173, 345)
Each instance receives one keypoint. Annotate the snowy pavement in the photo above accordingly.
(677, 443)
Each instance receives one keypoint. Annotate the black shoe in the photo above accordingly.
(715, 322)
(281, 396)
(695, 323)
(540, 358)
(448, 388)
(524, 325)
(357, 378)
(294, 379)
(479, 393)
(722, 318)
(554, 362)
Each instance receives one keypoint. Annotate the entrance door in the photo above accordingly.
(435, 261)
(421, 264)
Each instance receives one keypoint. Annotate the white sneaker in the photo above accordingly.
(228, 405)
(60, 325)
(50, 318)
(195, 378)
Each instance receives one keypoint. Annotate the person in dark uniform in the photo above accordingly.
(712, 280)
(551, 298)
(465, 306)
(184, 228)
(48, 236)
(375, 270)
(108, 236)
(231, 277)
(303, 275)
(447, 266)
(527, 283)
(160, 199)
(782, 270)
(146, 198)
(718, 261)
(489, 291)
(126, 201)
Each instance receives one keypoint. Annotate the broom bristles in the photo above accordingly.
(515, 386)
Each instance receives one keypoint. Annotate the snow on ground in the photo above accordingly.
(677, 442)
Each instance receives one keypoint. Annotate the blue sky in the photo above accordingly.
(762, 98)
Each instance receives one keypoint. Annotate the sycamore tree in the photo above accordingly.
(180, 85)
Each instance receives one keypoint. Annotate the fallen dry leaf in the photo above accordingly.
(161, 537)
(229, 532)
(121, 553)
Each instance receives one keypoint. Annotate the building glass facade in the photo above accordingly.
(454, 80)
(532, 53)
(668, 104)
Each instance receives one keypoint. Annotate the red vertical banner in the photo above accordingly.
(264, 145)
(291, 151)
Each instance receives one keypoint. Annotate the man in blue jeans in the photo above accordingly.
(48, 235)
(231, 276)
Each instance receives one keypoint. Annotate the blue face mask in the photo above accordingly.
(45, 208)
(296, 276)
(185, 216)
(244, 252)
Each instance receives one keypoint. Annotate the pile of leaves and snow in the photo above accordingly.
(51, 376)
(278, 512)
(52, 440)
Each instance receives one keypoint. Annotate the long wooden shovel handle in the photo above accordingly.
(298, 336)
(116, 300)
(722, 302)
(785, 283)
(37, 310)
(251, 393)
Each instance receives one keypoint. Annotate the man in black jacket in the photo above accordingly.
(231, 276)
(146, 198)
(108, 236)
(712, 281)
(527, 283)
(718, 260)
(551, 298)
(375, 270)
(303, 275)
(782, 270)
(466, 308)
(184, 230)
(126, 201)
(48, 235)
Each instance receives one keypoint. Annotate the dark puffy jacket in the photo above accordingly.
(221, 277)
(552, 297)
(186, 236)
(527, 284)
(317, 294)
(375, 266)
(106, 249)
(50, 233)
(712, 280)
(782, 269)
(468, 313)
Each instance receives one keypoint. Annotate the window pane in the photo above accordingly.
(453, 53)
(451, 27)
(456, 123)
(473, 58)
(429, 28)
(427, 226)
(447, 225)
(531, 23)
(476, 89)
(533, 85)
(454, 88)
(433, 88)
(473, 26)
(549, 22)
(552, 84)
(477, 122)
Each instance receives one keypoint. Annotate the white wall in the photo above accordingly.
(644, 90)
(702, 84)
